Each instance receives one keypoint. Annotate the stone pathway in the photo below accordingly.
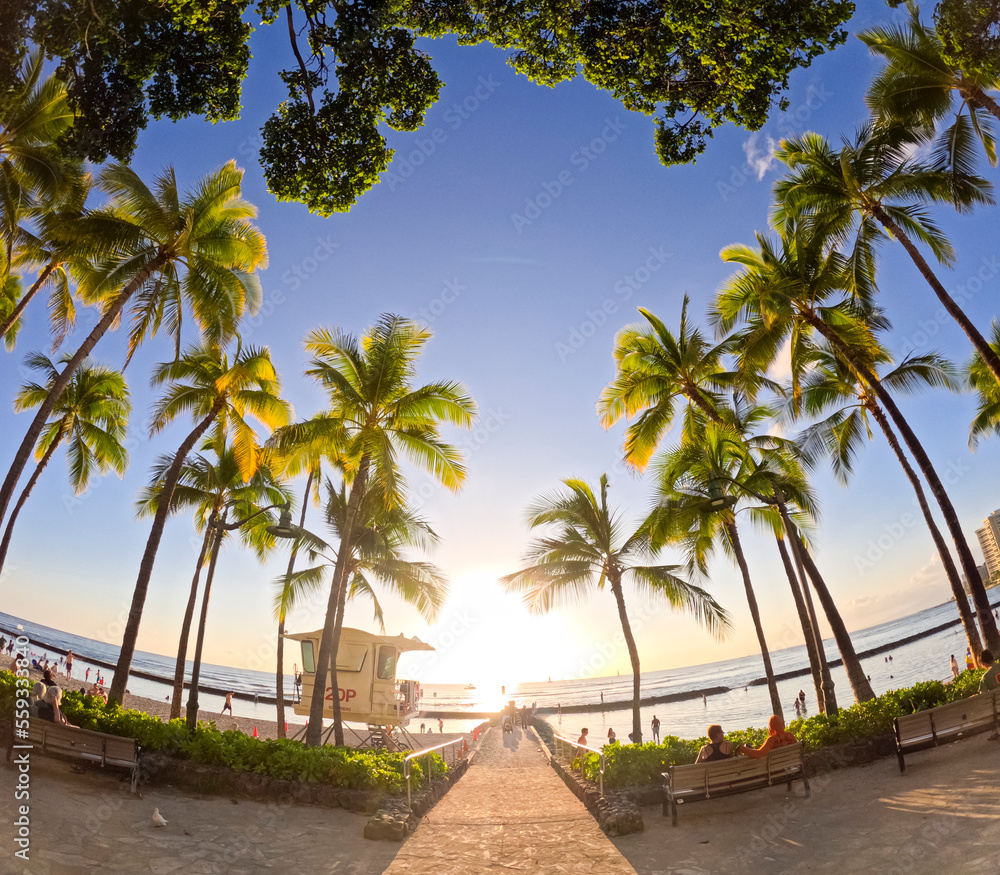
(510, 812)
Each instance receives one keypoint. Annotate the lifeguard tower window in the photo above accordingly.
(351, 657)
(308, 658)
(386, 663)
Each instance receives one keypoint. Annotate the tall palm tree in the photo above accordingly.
(832, 384)
(655, 369)
(206, 483)
(91, 417)
(159, 246)
(589, 545)
(918, 86)
(219, 394)
(301, 447)
(372, 398)
(792, 288)
(870, 188)
(698, 490)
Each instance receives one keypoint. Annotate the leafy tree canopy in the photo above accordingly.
(970, 33)
(692, 64)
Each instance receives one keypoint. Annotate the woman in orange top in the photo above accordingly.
(778, 736)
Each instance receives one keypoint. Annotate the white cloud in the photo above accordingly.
(759, 160)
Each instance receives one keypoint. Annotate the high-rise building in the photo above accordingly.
(989, 540)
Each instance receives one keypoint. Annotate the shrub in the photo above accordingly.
(276, 758)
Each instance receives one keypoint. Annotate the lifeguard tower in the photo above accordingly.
(370, 692)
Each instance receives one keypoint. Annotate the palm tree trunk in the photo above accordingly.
(109, 318)
(26, 492)
(19, 307)
(192, 704)
(829, 692)
(338, 628)
(985, 612)
(975, 94)
(279, 690)
(182, 642)
(633, 655)
(329, 642)
(118, 682)
(961, 601)
(860, 684)
(991, 359)
(808, 632)
(772, 687)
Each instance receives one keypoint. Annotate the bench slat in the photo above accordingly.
(85, 745)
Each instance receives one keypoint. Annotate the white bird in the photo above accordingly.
(158, 818)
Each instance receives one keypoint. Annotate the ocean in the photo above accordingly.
(742, 703)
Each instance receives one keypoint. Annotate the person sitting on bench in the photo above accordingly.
(717, 748)
(777, 737)
(48, 707)
(991, 678)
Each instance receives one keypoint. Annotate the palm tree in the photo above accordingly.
(655, 369)
(91, 416)
(372, 400)
(791, 289)
(698, 488)
(301, 447)
(158, 246)
(980, 380)
(870, 188)
(50, 248)
(34, 114)
(917, 86)
(382, 531)
(218, 394)
(588, 548)
(839, 436)
(207, 484)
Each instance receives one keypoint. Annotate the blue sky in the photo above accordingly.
(524, 225)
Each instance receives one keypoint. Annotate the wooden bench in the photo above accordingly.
(84, 745)
(945, 723)
(737, 775)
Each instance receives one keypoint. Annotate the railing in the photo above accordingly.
(428, 751)
(562, 743)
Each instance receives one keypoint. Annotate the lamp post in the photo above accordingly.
(284, 529)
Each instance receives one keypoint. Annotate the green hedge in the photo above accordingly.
(632, 765)
(276, 758)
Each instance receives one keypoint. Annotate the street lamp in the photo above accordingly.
(284, 529)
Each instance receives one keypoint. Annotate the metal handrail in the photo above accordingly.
(575, 746)
(428, 751)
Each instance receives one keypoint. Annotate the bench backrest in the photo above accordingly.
(947, 721)
(83, 744)
(736, 774)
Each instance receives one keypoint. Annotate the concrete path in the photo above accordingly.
(509, 813)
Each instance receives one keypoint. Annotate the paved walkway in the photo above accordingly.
(510, 812)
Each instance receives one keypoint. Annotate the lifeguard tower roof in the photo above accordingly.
(360, 636)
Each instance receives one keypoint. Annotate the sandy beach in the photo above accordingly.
(941, 817)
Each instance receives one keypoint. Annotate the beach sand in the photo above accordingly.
(942, 817)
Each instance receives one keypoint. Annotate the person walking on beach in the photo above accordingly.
(228, 706)
(69, 664)
(655, 726)
(954, 668)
